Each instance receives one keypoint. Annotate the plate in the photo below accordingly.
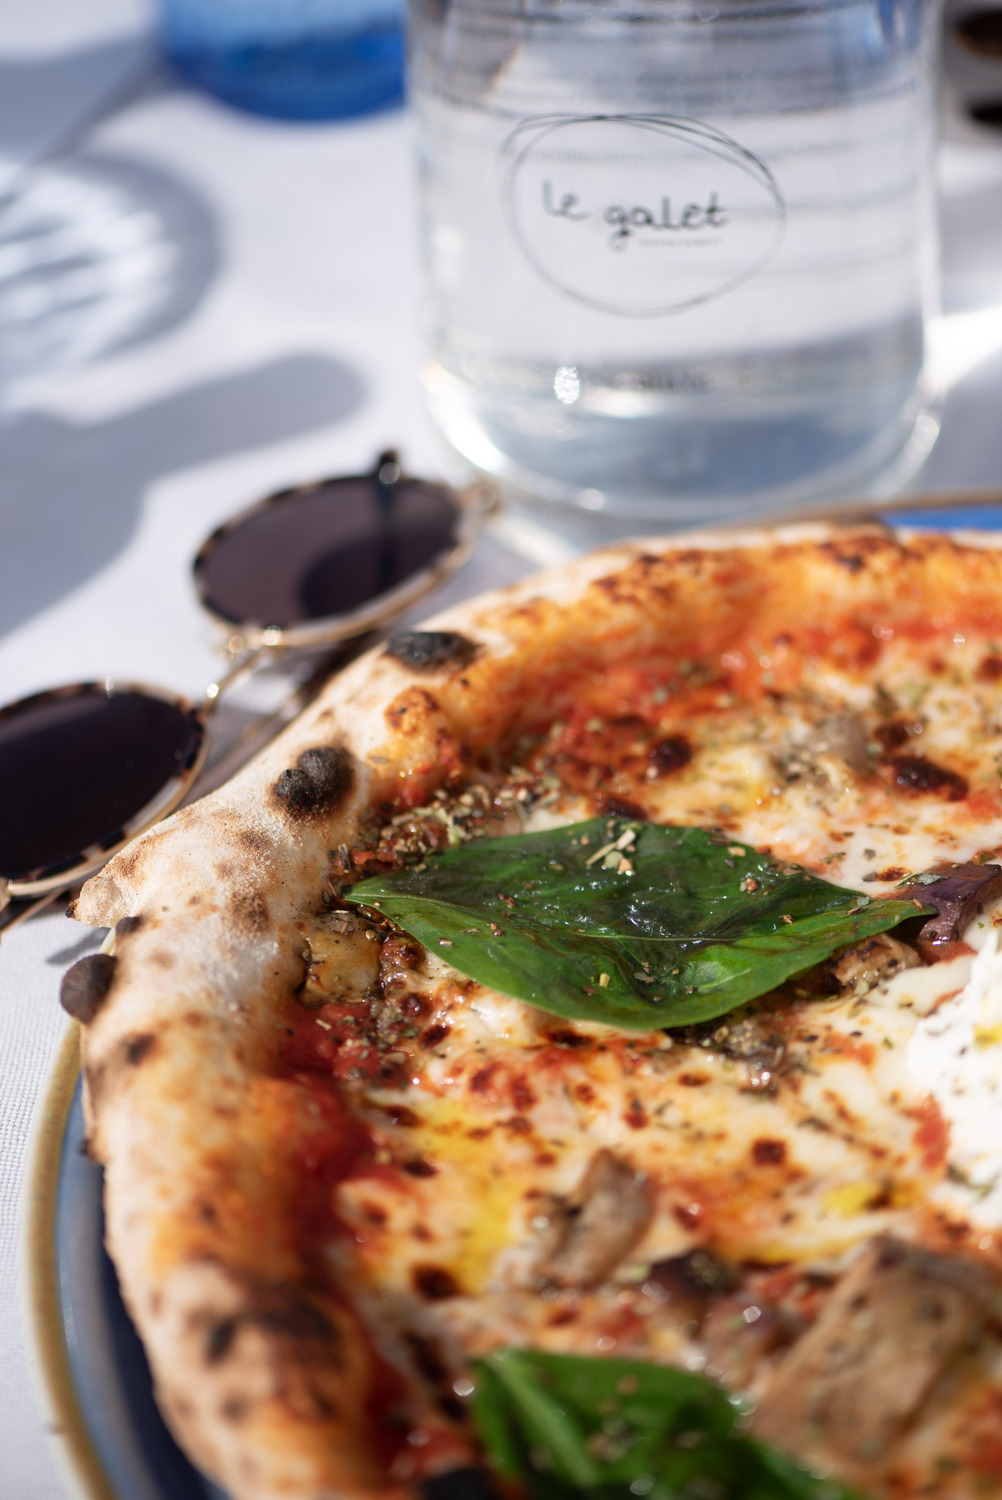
(95, 1376)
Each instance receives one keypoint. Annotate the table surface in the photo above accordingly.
(289, 351)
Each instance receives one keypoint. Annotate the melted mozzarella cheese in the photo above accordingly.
(955, 1055)
(847, 828)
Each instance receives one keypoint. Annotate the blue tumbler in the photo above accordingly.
(290, 59)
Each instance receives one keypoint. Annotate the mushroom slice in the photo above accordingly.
(840, 737)
(848, 1388)
(592, 1231)
(865, 965)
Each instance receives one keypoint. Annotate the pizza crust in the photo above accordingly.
(264, 1365)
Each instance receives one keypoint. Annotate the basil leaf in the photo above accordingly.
(563, 1425)
(676, 925)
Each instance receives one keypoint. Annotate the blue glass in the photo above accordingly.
(290, 59)
(984, 515)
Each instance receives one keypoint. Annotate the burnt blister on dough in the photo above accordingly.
(917, 776)
(138, 1048)
(85, 986)
(322, 779)
(283, 1315)
(430, 650)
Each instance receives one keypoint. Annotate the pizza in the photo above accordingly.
(403, 1204)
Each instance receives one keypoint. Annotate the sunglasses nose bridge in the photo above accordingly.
(241, 660)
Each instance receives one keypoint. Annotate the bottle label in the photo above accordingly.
(639, 215)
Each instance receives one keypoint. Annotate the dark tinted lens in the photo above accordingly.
(325, 551)
(982, 32)
(989, 112)
(77, 764)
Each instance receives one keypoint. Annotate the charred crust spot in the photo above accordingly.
(248, 911)
(85, 986)
(253, 840)
(566, 1036)
(434, 1283)
(130, 861)
(294, 1318)
(670, 754)
(891, 736)
(608, 806)
(427, 1357)
(219, 1340)
(434, 1035)
(420, 1167)
(522, 1095)
(855, 553)
(768, 1153)
(138, 1048)
(851, 561)
(283, 1315)
(692, 1080)
(430, 650)
(128, 925)
(322, 780)
(481, 1081)
(234, 1410)
(399, 1114)
(917, 776)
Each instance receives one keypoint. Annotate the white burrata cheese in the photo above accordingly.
(955, 1055)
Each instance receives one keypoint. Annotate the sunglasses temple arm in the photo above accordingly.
(15, 909)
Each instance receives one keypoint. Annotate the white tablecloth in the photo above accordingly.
(296, 358)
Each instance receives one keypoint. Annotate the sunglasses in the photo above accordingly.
(87, 767)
